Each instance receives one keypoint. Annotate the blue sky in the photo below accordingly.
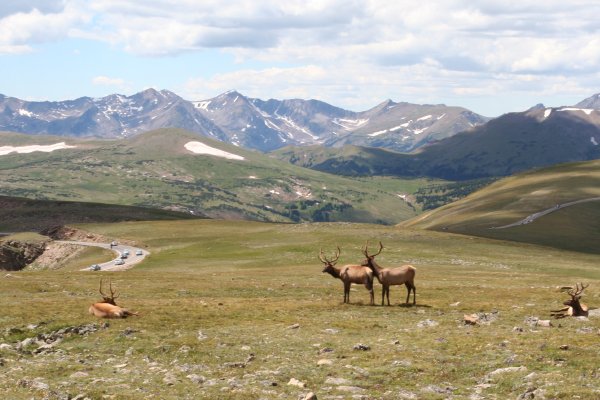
(490, 56)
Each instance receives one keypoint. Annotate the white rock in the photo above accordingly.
(325, 361)
(337, 381)
(296, 382)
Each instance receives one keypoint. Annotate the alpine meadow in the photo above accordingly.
(299, 200)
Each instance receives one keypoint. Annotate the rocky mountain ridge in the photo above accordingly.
(234, 118)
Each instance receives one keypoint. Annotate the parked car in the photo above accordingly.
(95, 267)
(139, 253)
(126, 252)
(113, 243)
(119, 262)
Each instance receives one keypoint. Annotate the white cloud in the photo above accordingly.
(358, 49)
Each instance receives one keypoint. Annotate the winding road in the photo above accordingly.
(128, 262)
(533, 217)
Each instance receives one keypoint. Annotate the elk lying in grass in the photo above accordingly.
(107, 308)
(349, 274)
(404, 275)
(573, 307)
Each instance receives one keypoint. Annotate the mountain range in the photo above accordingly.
(234, 118)
(511, 143)
(399, 139)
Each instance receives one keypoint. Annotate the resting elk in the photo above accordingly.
(107, 308)
(349, 274)
(404, 275)
(574, 308)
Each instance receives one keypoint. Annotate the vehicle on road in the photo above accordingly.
(95, 267)
(119, 262)
(139, 253)
(126, 252)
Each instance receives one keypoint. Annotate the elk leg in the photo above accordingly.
(369, 286)
(387, 295)
(346, 292)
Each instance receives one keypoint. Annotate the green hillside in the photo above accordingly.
(239, 309)
(155, 170)
(512, 199)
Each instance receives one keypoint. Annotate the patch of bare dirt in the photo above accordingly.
(69, 233)
(56, 255)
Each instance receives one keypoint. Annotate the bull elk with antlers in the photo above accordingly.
(404, 275)
(349, 274)
(107, 308)
(574, 308)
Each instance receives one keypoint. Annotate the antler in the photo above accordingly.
(101, 292)
(577, 290)
(366, 250)
(113, 295)
(324, 259)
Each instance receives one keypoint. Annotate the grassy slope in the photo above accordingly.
(154, 170)
(514, 198)
(243, 284)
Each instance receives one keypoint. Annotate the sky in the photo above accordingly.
(490, 56)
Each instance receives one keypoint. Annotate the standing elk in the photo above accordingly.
(107, 308)
(573, 307)
(404, 275)
(349, 274)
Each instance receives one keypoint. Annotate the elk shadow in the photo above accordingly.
(404, 305)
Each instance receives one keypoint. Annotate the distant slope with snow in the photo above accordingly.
(176, 170)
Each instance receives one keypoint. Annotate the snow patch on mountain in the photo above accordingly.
(547, 112)
(378, 133)
(25, 113)
(202, 104)
(4, 150)
(426, 117)
(350, 124)
(593, 140)
(587, 111)
(201, 148)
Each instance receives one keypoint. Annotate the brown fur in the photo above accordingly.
(404, 275)
(106, 310)
(349, 274)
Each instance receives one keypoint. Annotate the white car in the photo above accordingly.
(139, 253)
(119, 262)
(95, 267)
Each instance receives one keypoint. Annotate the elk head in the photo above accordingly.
(329, 264)
(370, 257)
(574, 307)
(106, 298)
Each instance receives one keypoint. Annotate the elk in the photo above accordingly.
(404, 275)
(349, 274)
(573, 307)
(107, 308)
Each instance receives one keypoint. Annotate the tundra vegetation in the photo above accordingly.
(241, 310)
